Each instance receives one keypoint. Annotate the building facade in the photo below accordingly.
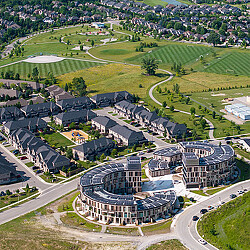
(107, 195)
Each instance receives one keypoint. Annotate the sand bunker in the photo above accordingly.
(44, 59)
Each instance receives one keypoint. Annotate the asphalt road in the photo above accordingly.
(185, 228)
(27, 174)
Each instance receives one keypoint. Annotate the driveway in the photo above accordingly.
(158, 142)
(28, 176)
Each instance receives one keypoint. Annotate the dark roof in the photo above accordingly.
(74, 101)
(94, 145)
(39, 107)
(247, 141)
(25, 122)
(127, 132)
(5, 167)
(104, 121)
(86, 114)
(111, 96)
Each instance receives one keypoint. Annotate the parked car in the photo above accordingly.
(232, 196)
(203, 211)
(141, 153)
(5, 142)
(23, 158)
(210, 207)
(137, 125)
(15, 152)
(1, 138)
(228, 138)
(2, 193)
(35, 167)
(195, 218)
(240, 192)
(149, 150)
(39, 171)
(202, 241)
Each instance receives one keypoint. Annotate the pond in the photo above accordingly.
(174, 2)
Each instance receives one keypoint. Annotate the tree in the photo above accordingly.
(8, 192)
(192, 110)
(64, 169)
(176, 88)
(164, 104)
(35, 72)
(213, 114)
(203, 123)
(114, 152)
(66, 88)
(171, 108)
(69, 153)
(79, 86)
(213, 38)
(102, 157)
(72, 125)
(31, 102)
(149, 65)
(92, 43)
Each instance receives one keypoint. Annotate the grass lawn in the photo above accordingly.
(214, 100)
(154, 2)
(57, 140)
(244, 169)
(179, 53)
(167, 245)
(7, 200)
(73, 220)
(242, 152)
(228, 226)
(222, 128)
(67, 204)
(199, 192)
(215, 190)
(224, 65)
(113, 77)
(199, 81)
(29, 164)
(57, 68)
(132, 231)
(86, 164)
(50, 178)
(159, 228)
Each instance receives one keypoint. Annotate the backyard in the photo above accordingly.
(57, 140)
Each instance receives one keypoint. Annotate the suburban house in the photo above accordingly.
(124, 135)
(91, 150)
(10, 114)
(32, 124)
(77, 103)
(21, 83)
(41, 110)
(158, 124)
(58, 93)
(103, 124)
(245, 144)
(109, 99)
(74, 116)
(37, 151)
(12, 93)
(8, 173)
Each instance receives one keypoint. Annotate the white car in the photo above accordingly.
(240, 192)
(201, 241)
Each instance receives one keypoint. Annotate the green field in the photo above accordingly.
(57, 140)
(228, 226)
(159, 228)
(230, 63)
(114, 77)
(179, 53)
(57, 68)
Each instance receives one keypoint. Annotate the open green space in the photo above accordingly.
(223, 127)
(242, 153)
(114, 77)
(230, 63)
(178, 53)
(57, 68)
(67, 204)
(199, 192)
(132, 231)
(154, 2)
(57, 140)
(71, 219)
(10, 199)
(158, 228)
(215, 190)
(214, 100)
(228, 226)
(167, 245)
